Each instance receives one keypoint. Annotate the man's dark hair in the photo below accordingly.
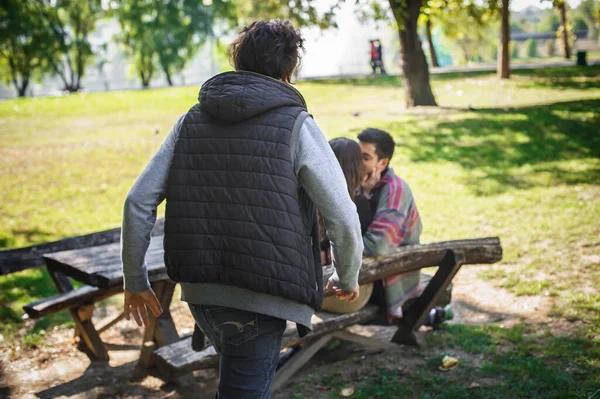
(270, 48)
(384, 143)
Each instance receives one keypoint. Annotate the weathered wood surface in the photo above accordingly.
(416, 257)
(299, 360)
(101, 266)
(178, 359)
(67, 300)
(14, 260)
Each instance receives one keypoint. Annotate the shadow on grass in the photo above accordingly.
(23, 287)
(512, 148)
(499, 363)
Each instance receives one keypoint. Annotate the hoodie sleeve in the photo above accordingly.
(320, 175)
(139, 214)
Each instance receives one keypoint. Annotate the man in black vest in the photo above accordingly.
(243, 172)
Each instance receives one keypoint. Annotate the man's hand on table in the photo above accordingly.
(135, 306)
(344, 295)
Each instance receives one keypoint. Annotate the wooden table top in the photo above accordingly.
(100, 266)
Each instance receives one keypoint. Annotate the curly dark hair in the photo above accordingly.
(270, 48)
(384, 143)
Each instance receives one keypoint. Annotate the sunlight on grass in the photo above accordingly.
(518, 159)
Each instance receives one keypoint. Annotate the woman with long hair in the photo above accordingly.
(349, 156)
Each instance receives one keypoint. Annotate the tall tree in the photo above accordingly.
(562, 9)
(182, 27)
(415, 71)
(25, 43)
(428, 14)
(71, 22)
(504, 58)
(564, 29)
(432, 53)
(165, 35)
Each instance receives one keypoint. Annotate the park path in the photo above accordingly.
(466, 68)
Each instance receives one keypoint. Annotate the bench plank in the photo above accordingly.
(67, 300)
(416, 257)
(14, 260)
(178, 359)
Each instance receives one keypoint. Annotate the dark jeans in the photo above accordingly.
(249, 345)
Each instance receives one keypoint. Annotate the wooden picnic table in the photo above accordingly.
(100, 266)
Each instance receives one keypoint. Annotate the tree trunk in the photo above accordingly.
(432, 54)
(504, 59)
(415, 70)
(168, 76)
(22, 88)
(565, 35)
(145, 77)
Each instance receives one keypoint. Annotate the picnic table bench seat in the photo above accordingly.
(178, 359)
(78, 301)
(16, 260)
(67, 300)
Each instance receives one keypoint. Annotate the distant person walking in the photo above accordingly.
(374, 56)
(243, 172)
(377, 57)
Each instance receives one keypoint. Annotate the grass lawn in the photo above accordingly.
(519, 159)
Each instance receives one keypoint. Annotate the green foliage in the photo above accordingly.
(550, 46)
(468, 44)
(514, 50)
(301, 12)
(494, 362)
(579, 23)
(586, 11)
(162, 34)
(549, 23)
(71, 21)
(531, 48)
(26, 45)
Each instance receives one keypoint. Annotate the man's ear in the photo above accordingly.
(383, 163)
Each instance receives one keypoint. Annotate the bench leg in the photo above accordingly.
(295, 363)
(82, 316)
(415, 316)
(93, 345)
(161, 330)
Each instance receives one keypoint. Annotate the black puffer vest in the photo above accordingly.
(235, 212)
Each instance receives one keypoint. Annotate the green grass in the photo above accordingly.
(501, 362)
(519, 159)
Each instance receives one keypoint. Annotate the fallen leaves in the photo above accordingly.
(448, 363)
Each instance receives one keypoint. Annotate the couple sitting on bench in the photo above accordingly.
(388, 216)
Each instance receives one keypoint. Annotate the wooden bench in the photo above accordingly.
(581, 48)
(78, 301)
(178, 359)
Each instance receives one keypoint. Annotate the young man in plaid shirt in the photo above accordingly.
(396, 221)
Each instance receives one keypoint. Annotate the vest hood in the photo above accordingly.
(238, 96)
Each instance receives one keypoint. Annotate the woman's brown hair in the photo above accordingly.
(349, 156)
